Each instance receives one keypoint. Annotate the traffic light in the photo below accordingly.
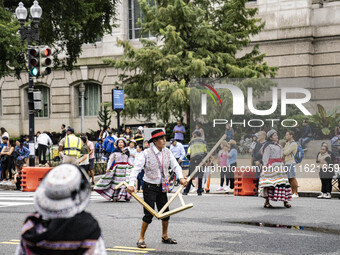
(37, 100)
(34, 64)
(45, 60)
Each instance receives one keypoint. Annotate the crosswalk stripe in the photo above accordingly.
(134, 251)
(9, 242)
(134, 248)
(5, 204)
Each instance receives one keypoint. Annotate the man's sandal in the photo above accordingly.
(141, 244)
(169, 240)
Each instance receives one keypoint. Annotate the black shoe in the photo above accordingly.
(199, 193)
(185, 193)
(92, 183)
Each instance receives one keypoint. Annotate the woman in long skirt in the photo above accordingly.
(118, 170)
(274, 184)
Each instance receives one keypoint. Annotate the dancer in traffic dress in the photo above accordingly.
(118, 170)
(274, 184)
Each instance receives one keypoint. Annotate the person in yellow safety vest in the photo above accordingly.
(69, 147)
(196, 152)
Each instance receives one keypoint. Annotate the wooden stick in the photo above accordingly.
(177, 210)
(146, 206)
(181, 198)
(193, 173)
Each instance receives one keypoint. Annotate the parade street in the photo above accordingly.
(217, 224)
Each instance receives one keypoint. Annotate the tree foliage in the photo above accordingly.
(194, 39)
(65, 25)
(104, 117)
(11, 50)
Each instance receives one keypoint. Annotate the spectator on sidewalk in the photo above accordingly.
(84, 161)
(140, 176)
(132, 151)
(177, 150)
(60, 224)
(229, 131)
(22, 154)
(4, 133)
(306, 136)
(7, 161)
(63, 131)
(146, 145)
(198, 128)
(108, 145)
(179, 131)
(222, 163)
(26, 142)
(91, 148)
(257, 156)
(99, 149)
(336, 134)
(231, 163)
(323, 159)
(139, 137)
(289, 153)
(44, 142)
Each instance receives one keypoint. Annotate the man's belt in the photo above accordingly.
(153, 185)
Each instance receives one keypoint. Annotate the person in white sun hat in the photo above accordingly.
(60, 225)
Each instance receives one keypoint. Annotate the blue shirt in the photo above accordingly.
(233, 157)
(22, 152)
(230, 134)
(179, 136)
(107, 145)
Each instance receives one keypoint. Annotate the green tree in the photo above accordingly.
(11, 50)
(65, 25)
(194, 39)
(104, 117)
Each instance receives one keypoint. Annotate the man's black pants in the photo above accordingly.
(42, 152)
(153, 194)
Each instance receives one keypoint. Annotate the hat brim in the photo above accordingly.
(63, 208)
(151, 140)
(121, 139)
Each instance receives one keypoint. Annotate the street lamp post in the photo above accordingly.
(82, 94)
(31, 33)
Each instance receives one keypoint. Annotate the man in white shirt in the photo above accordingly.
(156, 162)
(177, 150)
(44, 142)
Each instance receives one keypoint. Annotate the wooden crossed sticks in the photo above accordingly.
(161, 215)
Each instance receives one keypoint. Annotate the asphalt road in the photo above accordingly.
(217, 224)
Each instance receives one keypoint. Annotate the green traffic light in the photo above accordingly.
(34, 71)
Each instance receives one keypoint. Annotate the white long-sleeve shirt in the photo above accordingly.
(140, 164)
(178, 150)
(44, 139)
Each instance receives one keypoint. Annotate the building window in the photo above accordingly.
(93, 99)
(135, 13)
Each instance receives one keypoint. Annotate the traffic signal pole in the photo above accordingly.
(30, 107)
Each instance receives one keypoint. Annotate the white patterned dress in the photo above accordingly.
(273, 183)
(119, 172)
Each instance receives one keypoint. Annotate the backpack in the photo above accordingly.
(298, 155)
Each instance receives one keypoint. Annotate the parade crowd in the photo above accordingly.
(62, 196)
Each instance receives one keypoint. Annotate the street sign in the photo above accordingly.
(118, 99)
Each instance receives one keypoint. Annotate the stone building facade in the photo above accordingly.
(301, 37)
